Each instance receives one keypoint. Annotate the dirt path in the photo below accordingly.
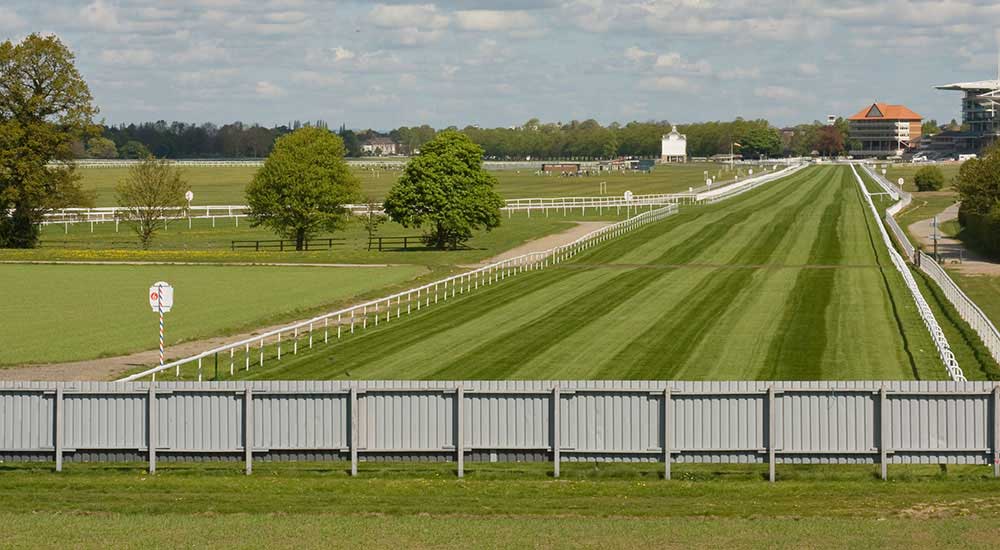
(547, 242)
(951, 250)
(110, 368)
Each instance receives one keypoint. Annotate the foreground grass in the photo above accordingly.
(226, 185)
(792, 278)
(71, 312)
(593, 505)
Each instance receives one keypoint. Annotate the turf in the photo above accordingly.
(70, 312)
(226, 185)
(592, 505)
(790, 281)
(908, 171)
(205, 243)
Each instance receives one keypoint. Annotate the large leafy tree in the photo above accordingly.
(45, 106)
(446, 191)
(303, 186)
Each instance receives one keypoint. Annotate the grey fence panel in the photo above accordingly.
(95, 422)
(26, 420)
(200, 421)
(745, 422)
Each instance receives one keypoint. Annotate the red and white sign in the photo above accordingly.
(161, 294)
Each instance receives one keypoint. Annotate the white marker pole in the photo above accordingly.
(159, 308)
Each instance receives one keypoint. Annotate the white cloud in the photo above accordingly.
(637, 55)
(408, 16)
(268, 89)
(9, 19)
(101, 15)
(807, 69)
(313, 79)
(493, 20)
(668, 84)
(127, 57)
(207, 77)
(740, 73)
(778, 93)
(342, 54)
(674, 60)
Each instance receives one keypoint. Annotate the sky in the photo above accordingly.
(499, 63)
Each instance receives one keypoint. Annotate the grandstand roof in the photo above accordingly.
(885, 111)
(966, 86)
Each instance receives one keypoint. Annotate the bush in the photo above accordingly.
(929, 178)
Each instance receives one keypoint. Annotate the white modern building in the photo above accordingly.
(980, 111)
(674, 147)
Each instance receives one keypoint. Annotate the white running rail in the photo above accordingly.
(937, 335)
(967, 309)
(739, 187)
(251, 351)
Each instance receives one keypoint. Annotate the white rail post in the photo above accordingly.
(247, 357)
(326, 330)
(310, 335)
(279, 345)
(232, 361)
(261, 352)
(295, 341)
(338, 326)
(199, 369)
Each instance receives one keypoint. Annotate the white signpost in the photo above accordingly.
(190, 197)
(161, 299)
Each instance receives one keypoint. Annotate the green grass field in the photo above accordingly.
(790, 281)
(511, 505)
(71, 312)
(908, 171)
(226, 185)
(204, 243)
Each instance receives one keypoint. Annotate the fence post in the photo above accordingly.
(353, 421)
(555, 432)
(883, 433)
(770, 433)
(666, 432)
(996, 431)
(248, 429)
(57, 437)
(459, 427)
(151, 436)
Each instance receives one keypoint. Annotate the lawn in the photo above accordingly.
(423, 505)
(226, 185)
(908, 171)
(791, 278)
(58, 313)
(204, 243)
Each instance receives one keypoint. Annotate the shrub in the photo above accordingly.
(929, 178)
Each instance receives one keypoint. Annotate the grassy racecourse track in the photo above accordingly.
(790, 282)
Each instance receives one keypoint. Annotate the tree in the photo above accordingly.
(303, 186)
(978, 186)
(44, 106)
(372, 219)
(446, 190)
(102, 148)
(133, 150)
(930, 127)
(150, 196)
(829, 141)
(929, 178)
(760, 140)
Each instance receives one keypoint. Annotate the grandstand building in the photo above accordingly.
(980, 119)
(883, 130)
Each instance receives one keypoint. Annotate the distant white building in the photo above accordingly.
(674, 147)
(380, 146)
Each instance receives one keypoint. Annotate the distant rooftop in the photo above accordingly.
(886, 112)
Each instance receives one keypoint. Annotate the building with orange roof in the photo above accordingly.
(883, 130)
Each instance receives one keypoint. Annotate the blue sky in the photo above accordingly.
(494, 63)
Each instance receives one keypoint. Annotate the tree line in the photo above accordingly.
(534, 139)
